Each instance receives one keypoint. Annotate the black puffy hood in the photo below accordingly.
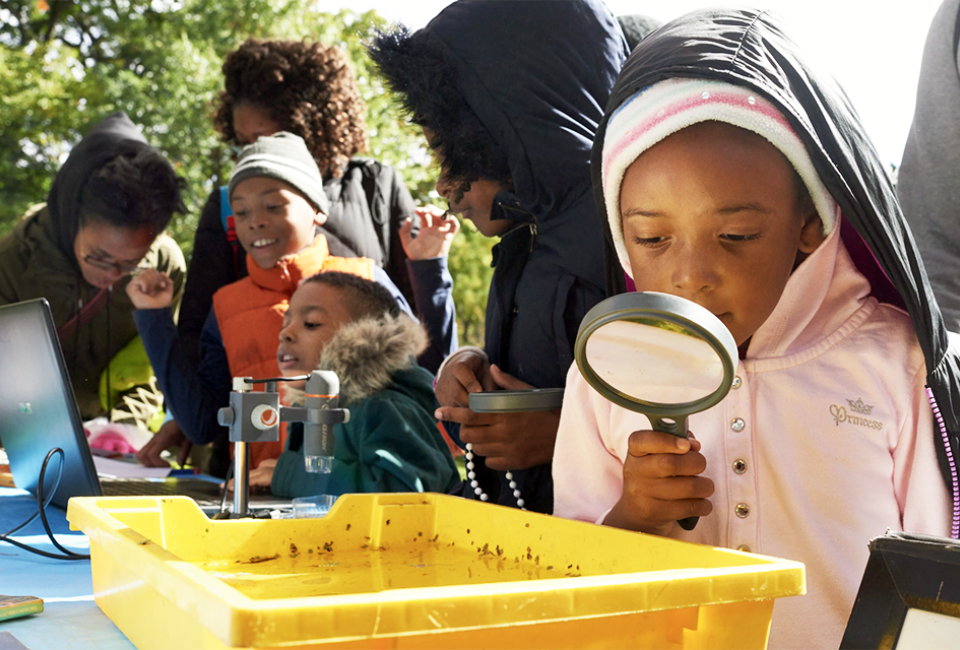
(468, 59)
(112, 136)
(750, 48)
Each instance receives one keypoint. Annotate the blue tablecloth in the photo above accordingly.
(70, 618)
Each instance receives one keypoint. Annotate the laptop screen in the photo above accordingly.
(37, 408)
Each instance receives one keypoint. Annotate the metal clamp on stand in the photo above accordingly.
(256, 417)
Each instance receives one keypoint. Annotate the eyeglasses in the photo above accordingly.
(106, 265)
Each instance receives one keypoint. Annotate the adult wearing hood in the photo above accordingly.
(103, 219)
(508, 96)
(778, 453)
(927, 178)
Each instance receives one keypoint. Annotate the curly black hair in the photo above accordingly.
(133, 190)
(363, 298)
(307, 88)
(417, 69)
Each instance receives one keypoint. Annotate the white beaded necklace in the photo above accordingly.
(475, 484)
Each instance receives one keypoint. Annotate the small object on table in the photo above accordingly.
(16, 606)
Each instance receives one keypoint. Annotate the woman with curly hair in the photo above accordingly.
(309, 89)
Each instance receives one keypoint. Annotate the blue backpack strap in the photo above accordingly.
(225, 211)
(229, 227)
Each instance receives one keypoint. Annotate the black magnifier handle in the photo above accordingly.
(688, 523)
(677, 427)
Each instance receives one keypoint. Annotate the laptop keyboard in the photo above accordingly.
(203, 492)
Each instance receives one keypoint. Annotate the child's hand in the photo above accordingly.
(437, 230)
(150, 289)
(661, 483)
(468, 371)
(260, 476)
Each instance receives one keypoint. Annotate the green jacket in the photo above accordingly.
(391, 442)
(32, 265)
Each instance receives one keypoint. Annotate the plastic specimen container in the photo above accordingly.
(417, 571)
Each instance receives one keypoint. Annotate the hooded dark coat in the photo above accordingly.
(37, 259)
(748, 48)
(536, 75)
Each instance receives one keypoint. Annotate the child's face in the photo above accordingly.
(710, 214)
(316, 312)
(273, 220)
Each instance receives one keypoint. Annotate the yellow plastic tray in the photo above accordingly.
(417, 571)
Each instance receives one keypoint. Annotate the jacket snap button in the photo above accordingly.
(739, 466)
(737, 424)
(742, 510)
(743, 548)
(736, 383)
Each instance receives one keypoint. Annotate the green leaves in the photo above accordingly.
(66, 64)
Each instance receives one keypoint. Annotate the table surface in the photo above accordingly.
(70, 618)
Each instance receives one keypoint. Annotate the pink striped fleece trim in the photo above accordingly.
(662, 113)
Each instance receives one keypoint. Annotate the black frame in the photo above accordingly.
(905, 571)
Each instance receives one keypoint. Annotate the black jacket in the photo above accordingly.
(537, 76)
(748, 48)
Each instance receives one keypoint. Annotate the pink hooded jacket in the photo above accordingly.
(813, 453)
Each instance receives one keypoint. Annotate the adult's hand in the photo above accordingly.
(509, 440)
(170, 435)
(466, 371)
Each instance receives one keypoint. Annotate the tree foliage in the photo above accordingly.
(65, 64)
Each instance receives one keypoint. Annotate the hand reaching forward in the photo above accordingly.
(150, 289)
(169, 435)
(260, 476)
(437, 230)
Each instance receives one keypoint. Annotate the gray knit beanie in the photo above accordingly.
(283, 156)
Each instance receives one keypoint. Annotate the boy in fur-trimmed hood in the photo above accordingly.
(352, 326)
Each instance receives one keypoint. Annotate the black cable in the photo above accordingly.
(45, 502)
(42, 504)
(223, 493)
(48, 499)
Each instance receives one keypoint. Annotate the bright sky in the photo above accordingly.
(874, 49)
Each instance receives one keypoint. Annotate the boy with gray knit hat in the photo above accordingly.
(283, 156)
(276, 193)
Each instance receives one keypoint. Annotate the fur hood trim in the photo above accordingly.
(367, 352)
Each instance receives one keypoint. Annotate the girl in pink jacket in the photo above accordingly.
(734, 177)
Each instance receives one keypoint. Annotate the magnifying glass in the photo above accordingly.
(657, 354)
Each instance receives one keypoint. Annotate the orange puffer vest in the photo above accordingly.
(250, 314)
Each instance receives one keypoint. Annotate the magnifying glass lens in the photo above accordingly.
(664, 363)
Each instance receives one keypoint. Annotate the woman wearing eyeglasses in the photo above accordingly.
(103, 220)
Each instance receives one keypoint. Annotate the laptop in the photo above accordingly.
(38, 412)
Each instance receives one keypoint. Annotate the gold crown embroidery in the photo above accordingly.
(859, 407)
